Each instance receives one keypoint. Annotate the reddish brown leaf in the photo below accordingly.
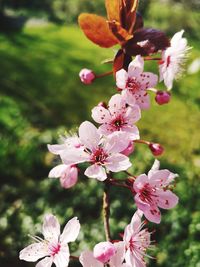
(120, 33)
(146, 42)
(128, 14)
(113, 9)
(121, 61)
(139, 22)
(97, 30)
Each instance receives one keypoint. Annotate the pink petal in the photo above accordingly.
(118, 258)
(116, 142)
(143, 206)
(148, 80)
(89, 135)
(140, 181)
(121, 79)
(117, 162)
(74, 156)
(129, 97)
(46, 262)
(101, 115)
(62, 258)
(136, 67)
(51, 228)
(58, 171)
(96, 172)
(71, 231)
(153, 214)
(34, 252)
(117, 104)
(87, 260)
(132, 131)
(154, 168)
(167, 199)
(133, 260)
(70, 178)
(143, 100)
(106, 129)
(159, 178)
(133, 114)
(56, 149)
(136, 220)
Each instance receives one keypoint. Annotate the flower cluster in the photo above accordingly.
(105, 146)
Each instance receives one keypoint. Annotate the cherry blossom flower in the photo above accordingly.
(103, 251)
(87, 76)
(87, 258)
(137, 241)
(135, 82)
(117, 117)
(152, 193)
(102, 152)
(68, 175)
(173, 59)
(54, 248)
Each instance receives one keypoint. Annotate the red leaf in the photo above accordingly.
(121, 61)
(97, 30)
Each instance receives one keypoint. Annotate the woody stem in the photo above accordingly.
(152, 58)
(106, 211)
(104, 74)
(142, 142)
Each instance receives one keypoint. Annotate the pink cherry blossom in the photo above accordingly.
(135, 82)
(103, 153)
(87, 258)
(103, 251)
(137, 241)
(173, 59)
(68, 175)
(54, 247)
(152, 193)
(129, 150)
(87, 76)
(117, 117)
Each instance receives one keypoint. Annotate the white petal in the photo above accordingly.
(46, 262)
(100, 114)
(136, 220)
(89, 135)
(121, 79)
(116, 142)
(136, 67)
(176, 38)
(155, 167)
(56, 149)
(129, 97)
(133, 114)
(87, 260)
(58, 170)
(116, 104)
(74, 156)
(51, 228)
(118, 162)
(62, 258)
(34, 252)
(117, 259)
(71, 231)
(97, 172)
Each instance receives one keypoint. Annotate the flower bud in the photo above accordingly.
(156, 149)
(162, 97)
(129, 150)
(70, 177)
(104, 251)
(87, 76)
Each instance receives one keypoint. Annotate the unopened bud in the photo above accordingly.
(162, 97)
(87, 76)
(104, 251)
(129, 150)
(156, 149)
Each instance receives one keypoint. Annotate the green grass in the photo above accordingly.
(40, 97)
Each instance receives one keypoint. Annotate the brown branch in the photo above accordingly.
(104, 74)
(74, 258)
(106, 211)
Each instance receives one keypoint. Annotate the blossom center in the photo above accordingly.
(133, 85)
(99, 156)
(54, 249)
(118, 123)
(146, 193)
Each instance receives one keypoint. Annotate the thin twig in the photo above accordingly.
(104, 74)
(74, 257)
(106, 211)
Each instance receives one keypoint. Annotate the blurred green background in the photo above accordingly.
(41, 53)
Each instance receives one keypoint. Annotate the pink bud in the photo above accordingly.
(129, 150)
(87, 76)
(70, 177)
(156, 149)
(162, 97)
(104, 251)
